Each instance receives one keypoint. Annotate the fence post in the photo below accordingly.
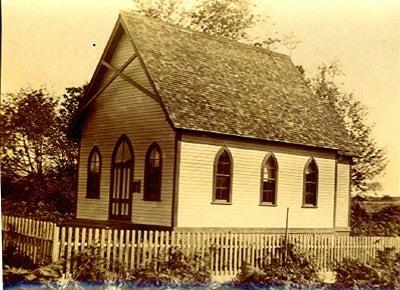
(286, 232)
(55, 249)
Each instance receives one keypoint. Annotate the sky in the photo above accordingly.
(57, 43)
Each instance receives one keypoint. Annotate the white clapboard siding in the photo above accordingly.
(342, 199)
(123, 109)
(196, 183)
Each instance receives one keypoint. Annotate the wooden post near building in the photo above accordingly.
(286, 232)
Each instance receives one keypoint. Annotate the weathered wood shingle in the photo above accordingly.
(217, 85)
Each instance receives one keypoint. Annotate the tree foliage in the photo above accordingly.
(369, 159)
(28, 119)
(67, 147)
(381, 273)
(172, 11)
(382, 219)
(232, 19)
(227, 18)
(38, 158)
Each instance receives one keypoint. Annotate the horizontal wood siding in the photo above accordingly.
(123, 109)
(342, 199)
(196, 183)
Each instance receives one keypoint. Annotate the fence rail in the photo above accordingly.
(224, 250)
(28, 237)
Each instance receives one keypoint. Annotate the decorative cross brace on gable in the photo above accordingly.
(113, 77)
(119, 72)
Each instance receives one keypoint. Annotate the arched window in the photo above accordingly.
(223, 176)
(310, 184)
(122, 165)
(93, 174)
(269, 175)
(152, 173)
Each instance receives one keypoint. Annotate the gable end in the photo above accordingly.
(106, 72)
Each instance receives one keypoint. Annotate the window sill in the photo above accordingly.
(223, 202)
(154, 200)
(309, 206)
(268, 204)
(92, 197)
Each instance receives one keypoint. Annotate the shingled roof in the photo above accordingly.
(217, 85)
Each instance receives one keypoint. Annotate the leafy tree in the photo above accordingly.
(38, 157)
(227, 18)
(369, 159)
(232, 19)
(67, 147)
(171, 11)
(27, 120)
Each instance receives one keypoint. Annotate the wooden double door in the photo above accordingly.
(120, 202)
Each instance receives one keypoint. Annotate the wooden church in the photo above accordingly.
(180, 130)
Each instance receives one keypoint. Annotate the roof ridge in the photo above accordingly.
(206, 35)
(275, 102)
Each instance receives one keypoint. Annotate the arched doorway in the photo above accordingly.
(120, 205)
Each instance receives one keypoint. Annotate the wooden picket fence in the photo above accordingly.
(29, 237)
(225, 251)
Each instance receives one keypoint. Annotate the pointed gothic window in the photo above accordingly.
(269, 174)
(310, 184)
(223, 177)
(152, 175)
(94, 173)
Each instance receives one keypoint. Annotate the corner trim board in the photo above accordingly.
(335, 194)
(77, 181)
(175, 189)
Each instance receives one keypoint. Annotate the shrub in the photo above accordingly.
(177, 269)
(382, 221)
(12, 258)
(38, 211)
(295, 271)
(46, 274)
(90, 266)
(382, 272)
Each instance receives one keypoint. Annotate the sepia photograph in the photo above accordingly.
(208, 144)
